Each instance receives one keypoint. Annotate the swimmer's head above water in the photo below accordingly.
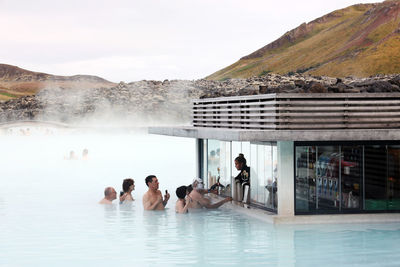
(152, 182)
(128, 185)
(198, 183)
(181, 192)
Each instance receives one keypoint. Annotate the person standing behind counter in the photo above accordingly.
(243, 178)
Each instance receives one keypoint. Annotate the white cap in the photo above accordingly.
(199, 182)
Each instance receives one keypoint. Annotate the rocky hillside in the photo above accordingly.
(146, 103)
(360, 40)
(16, 82)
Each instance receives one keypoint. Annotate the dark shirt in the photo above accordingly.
(244, 175)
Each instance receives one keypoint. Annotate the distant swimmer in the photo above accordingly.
(182, 204)
(71, 156)
(199, 201)
(85, 154)
(152, 199)
(128, 185)
(109, 195)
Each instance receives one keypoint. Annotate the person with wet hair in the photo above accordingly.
(198, 200)
(189, 188)
(243, 178)
(85, 154)
(152, 199)
(72, 155)
(182, 204)
(109, 195)
(128, 185)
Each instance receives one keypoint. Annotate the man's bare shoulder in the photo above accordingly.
(105, 201)
(146, 195)
(195, 195)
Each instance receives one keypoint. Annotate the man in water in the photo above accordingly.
(153, 200)
(109, 195)
(199, 201)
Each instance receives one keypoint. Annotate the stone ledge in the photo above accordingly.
(279, 135)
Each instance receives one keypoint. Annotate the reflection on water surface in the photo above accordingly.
(49, 214)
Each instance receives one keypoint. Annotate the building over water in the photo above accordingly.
(309, 154)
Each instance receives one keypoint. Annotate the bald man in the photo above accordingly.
(109, 195)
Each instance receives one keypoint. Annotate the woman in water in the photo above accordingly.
(182, 205)
(128, 185)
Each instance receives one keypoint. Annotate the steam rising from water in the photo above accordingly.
(137, 104)
(50, 216)
(42, 163)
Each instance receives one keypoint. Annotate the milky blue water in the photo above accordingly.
(49, 214)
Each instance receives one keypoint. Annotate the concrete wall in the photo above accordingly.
(285, 178)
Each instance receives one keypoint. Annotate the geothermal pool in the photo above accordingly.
(49, 214)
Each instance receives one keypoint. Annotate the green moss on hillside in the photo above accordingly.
(349, 41)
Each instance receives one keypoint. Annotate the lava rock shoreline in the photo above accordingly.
(169, 102)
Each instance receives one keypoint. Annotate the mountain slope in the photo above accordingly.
(360, 40)
(16, 82)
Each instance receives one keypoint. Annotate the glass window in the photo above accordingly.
(275, 176)
(213, 161)
(351, 176)
(261, 167)
(347, 178)
(225, 169)
(204, 171)
(375, 177)
(393, 178)
(263, 171)
(327, 174)
(306, 169)
(270, 183)
(245, 151)
(218, 162)
(254, 174)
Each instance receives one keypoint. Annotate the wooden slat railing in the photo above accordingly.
(299, 111)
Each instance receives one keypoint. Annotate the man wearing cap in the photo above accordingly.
(199, 201)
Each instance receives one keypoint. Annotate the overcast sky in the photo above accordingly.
(130, 40)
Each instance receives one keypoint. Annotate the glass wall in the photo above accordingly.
(306, 179)
(375, 177)
(382, 177)
(327, 167)
(218, 162)
(213, 161)
(347, 178)
(393, 177)
(351, 175)
(204, 171)
(225, 169)
(219, 166)
(263, 175)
